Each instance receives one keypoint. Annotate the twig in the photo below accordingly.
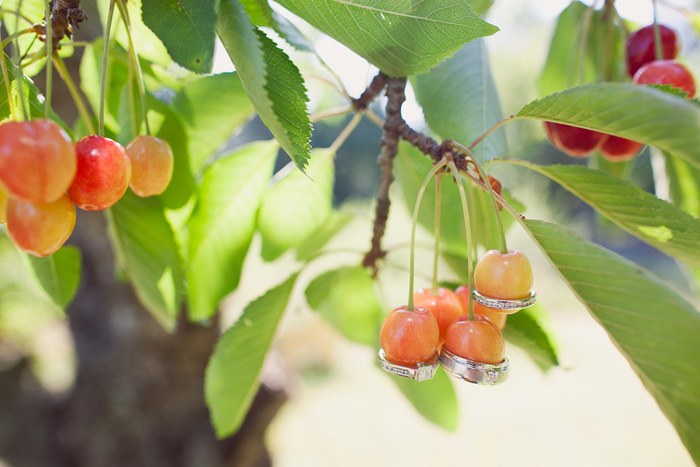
(375, 87)
(390, 141)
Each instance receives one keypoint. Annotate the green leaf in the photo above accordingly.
(223, 223)
(273, 83)
(31, 95)
(146, 249)
(399, 38)
(603, 42)
(652, 220)
(336, 222)
(211, 108)
(529, 330)
(346, 298)
(262, 15)
(187, 28)
(232, 375)
(639, 113)
(148, 45)
(57, 275)
(650, 324)
(297, 206)
(684, 184)
(460, 101)
(434, 399)
(481, 6)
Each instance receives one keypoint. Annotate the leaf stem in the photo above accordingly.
(347, 131)
(73, 90)
(137, 64)
(484, 176)
(11, 37)
(491, 130)
(467, 227)
(438, 203)
(328, 113)
(19, 74)
(103, 78)
(49, 63)
(419, 198)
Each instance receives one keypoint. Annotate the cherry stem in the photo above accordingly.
(658, 46)
(137, 64)
(12, 37)
(467, 227)
(438, 202)
(419, 198)
(347, 131)
(49, 53)
(19, 75)
(75, 95)
(105, 60)
(494, 203)
(132, 105)
(8, 87)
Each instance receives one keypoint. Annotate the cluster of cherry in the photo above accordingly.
(439, 328)
(644, 69)
(43, 175)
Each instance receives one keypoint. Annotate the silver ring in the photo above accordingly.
(421, 371)
(474, 372)
(505, 306)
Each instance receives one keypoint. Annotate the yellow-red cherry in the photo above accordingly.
(477, 340)
(498, 319)
(503, 276)
(3, 205)
(37, 160)
(443, 304)
(104, 171)
(151, 165)
(40, 228)
(409, 337)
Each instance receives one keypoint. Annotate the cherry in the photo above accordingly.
(503, 276)
(409, 337)
(640, 47)
(497, 319)
(574, 141)
(37, 160)
(104, 171)
(477, 340)
(3, 204)
(620, 149)
(666, 72)
(444, 305)
(40, 228)
(151, 165)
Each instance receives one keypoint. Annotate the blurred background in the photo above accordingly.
(342, 410)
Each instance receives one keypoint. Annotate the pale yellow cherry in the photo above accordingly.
(504, 276)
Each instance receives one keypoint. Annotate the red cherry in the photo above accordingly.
(37, 160)
(496, 318)
(409, 337)
(641, 49)
(620, 149)
(104, 171)
(666, 72)
(444, 305)
(477, 340)
(574, 141)
(40, 228)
